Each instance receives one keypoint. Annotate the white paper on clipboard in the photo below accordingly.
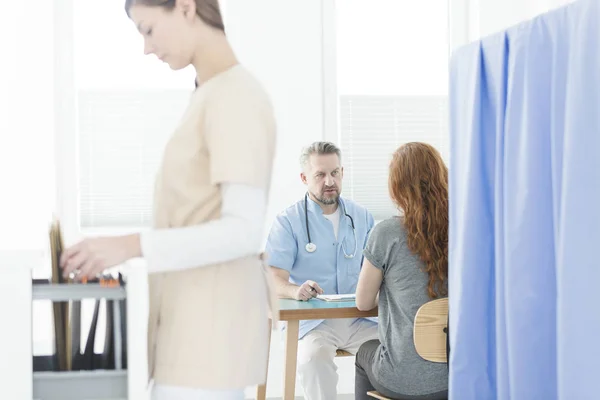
(337, 297)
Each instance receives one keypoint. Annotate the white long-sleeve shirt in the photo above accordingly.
(238, 233)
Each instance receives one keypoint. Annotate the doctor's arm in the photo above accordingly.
(282, 250)
(287, 290)
(367, 289)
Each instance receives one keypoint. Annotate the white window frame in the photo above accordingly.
(463, 22)
(330, 94)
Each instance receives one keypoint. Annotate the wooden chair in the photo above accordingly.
(429, 334)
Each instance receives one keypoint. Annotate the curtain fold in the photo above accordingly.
(578, 265)
(525, 210)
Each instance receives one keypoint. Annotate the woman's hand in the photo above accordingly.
(92, 256)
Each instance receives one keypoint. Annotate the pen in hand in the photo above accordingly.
(308, 290)
(314, 292)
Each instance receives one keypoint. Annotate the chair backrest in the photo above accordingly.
(431, 324)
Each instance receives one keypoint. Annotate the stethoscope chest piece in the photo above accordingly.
(311, 247)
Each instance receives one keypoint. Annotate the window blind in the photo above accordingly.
(372, 128)
(122, 134)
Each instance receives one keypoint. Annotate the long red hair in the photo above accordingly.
(418, 184)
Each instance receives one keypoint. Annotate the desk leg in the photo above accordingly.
(291, 354)
(261, 390)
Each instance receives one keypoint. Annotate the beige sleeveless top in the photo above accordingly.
(208, 326)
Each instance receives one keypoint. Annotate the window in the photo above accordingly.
(126, 107)
(391, 72)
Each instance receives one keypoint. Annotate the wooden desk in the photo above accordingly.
(293, 312)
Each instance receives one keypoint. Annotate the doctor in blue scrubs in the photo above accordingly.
(315, 246)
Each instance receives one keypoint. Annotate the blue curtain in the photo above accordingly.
(525, 211)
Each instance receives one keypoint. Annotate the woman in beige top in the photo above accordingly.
(209, 288)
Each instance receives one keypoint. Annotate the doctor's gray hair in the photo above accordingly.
(319, 148)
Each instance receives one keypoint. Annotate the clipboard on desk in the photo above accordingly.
(337, 297)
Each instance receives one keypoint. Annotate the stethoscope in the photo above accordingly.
(311, 247)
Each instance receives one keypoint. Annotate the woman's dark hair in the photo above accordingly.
(208, 10)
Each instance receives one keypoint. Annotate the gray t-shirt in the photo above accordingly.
(397, 365)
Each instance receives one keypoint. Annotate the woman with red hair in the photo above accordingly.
(405, 266)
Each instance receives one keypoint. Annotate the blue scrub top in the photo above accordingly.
(327, 266)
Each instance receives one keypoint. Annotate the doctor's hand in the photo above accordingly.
(92, 256)
(308, 290)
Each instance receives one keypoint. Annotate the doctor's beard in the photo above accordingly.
(330, 199)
